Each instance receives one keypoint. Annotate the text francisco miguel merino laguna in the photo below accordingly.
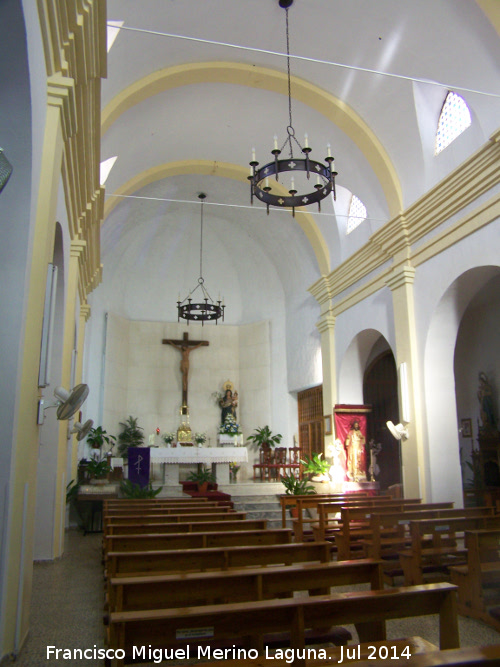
(157, 655)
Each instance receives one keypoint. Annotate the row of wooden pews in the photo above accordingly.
(248, 592)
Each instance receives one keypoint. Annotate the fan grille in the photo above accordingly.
(5, 170)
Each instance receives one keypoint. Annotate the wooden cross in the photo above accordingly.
(185, 346)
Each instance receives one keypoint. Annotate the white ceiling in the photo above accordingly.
(446, 41)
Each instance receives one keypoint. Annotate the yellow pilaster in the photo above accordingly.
(84, 316)
(326, 327)
(23, 498)
(412, 450)
(76, 250)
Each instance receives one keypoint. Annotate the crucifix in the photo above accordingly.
(185, 346)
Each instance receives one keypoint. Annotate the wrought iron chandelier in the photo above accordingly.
(207, 309)
(325, 174)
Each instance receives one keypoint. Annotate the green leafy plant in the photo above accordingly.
(168, 438)
(202, 475)
(72, 490)
(131, 490)
(297, 487)
(264, 436)
(200, 438)
(131, 436)
(315, 465)
(98, 469)
(98, 436)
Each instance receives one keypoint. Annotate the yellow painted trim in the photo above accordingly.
(222, 170)
(492, 10)
(339, 113)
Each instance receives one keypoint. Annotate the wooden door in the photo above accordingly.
(311, 434)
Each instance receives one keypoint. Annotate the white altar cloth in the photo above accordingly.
(208, 455)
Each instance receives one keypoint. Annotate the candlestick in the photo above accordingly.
(275, 142)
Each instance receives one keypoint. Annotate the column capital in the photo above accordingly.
(61, 94)
(321, 290)
(77, 247)
(401, 276)
(85, 311)
(326, 321)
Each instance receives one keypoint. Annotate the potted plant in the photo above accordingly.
(131, 436)
(263, 437)
(98, 436)
(203, 477)
(316, 467)
(131, 490)
(296, 487)
(168, 438)
(98, 471)
(200, 439)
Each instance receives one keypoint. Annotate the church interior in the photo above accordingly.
(321, 181)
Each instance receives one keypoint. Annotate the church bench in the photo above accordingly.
(250, 622)
(311, 501)
(237, 585)
(445, 550)
(186, 527)
(214, 558)
(481, 570)
(323, 523)
(151, 542)
(173, 518)
(155, 511)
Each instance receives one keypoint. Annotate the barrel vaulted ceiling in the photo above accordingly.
(193, 85)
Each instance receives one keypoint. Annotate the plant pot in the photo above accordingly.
(202, 487)
(98, 481)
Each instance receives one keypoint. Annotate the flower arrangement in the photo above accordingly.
(233, 471)
(168, 438)
(230, 426)
(200, 438)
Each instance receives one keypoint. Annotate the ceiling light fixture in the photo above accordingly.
(325, 174)
(208, 309)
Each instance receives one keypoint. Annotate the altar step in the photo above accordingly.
(261, 507)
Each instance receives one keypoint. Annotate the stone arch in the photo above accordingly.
(223, 170)
(265, 78)
(352, 367)
(439, 384)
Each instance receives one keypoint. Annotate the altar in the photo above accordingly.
(217, 457)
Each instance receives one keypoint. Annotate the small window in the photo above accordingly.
(454, 119)
(357, 213)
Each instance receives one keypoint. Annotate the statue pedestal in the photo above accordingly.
(230, 440)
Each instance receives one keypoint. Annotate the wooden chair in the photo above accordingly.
(294, 465)
(266, 460)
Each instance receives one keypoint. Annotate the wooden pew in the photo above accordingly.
(214, 558)
(481, 570)
(177, 518)
(445, 550)
(390, 533)
(354, 526)
(250, 622)
(187, 526)
(160, 510)
(323, 524)
(151, 542)
(237, 585)
(312, 500)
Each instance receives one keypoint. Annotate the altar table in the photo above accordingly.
(218, 457)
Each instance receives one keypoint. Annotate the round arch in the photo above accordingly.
(223, 170)
(439, 383)
(265, 78)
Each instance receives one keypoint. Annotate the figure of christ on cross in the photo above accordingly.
(185, 346)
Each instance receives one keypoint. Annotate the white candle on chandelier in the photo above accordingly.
(267, 182)
(306, 140)
(332, 166)
(275, 142)
(328, 150)
(253, 154)
(293, 184)
(318, 181)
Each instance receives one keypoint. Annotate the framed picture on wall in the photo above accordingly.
(328, 424)
(466, 428)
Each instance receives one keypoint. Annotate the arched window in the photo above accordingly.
(453, 120)
(357, 213)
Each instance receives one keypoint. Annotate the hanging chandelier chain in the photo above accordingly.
(201, 242)
(290, 128)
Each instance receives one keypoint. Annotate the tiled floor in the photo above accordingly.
(68, 597)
